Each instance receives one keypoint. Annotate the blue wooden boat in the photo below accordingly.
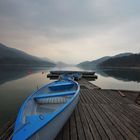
(44, 113)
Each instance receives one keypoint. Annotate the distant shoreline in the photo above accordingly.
(130, 68)
(26, 65)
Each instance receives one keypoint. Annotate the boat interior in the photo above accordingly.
(49, 99)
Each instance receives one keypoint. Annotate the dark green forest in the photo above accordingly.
(125, 61)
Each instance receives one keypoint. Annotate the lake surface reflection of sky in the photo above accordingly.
(16, 84)
(118, 79)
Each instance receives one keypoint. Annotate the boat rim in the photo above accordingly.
(53, 116)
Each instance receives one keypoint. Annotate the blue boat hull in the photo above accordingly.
(44, 113)
(55, 125)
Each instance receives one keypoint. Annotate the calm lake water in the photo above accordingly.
(18, 83)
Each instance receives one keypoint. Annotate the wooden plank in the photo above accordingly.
(85, 74)
(86, 99)
(125, 102)
(95, 97)
(91, 124)
(88, 77)
(102, 115)
(138, 99)
(81, 100)
(128, 114)
(59, 136)
(126, 121)
(103, 123)
(98, 97)
(121, 112)
(7, 131)
(71, 72)
(121, 105)
(109, 123)
(87, 84)
(79, 126)
(121, 93)
(73, 131)
(117, 121)
(85, 124)
(114, 97)
(99, 127)
(66, 131)
(118, 127)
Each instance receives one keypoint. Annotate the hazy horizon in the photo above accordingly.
(71, 31)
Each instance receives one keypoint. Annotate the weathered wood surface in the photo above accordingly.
(131, 95)
(56, 76)
(138, 99)
(85, 74)
(7, 130)
(71, 72)
(102, 115)
(84, 84)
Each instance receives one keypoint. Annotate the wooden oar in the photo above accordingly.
(121, 93)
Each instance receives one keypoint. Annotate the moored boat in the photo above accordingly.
(44, 113)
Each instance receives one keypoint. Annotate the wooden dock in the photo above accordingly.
(71, 72)
(85, 74)
(102, 115)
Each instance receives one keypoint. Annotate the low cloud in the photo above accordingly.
(71, 31)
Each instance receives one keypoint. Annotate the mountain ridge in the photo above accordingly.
(130, 61)
(96, 63)
(12, 56)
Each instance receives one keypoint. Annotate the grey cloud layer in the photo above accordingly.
(68, 20)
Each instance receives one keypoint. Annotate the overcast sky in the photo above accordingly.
(71, 30)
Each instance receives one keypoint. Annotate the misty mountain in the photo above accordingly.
(96, 63)
(62, 64)
(132, 60)
(11, 56)
(121, 55)
(92, 64)
(48, 60)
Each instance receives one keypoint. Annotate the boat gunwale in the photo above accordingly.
(59, 94)
(49, 118)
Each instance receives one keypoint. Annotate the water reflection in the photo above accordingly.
(17, 83)
(121, 74)
(9, 73)
(127, 79)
